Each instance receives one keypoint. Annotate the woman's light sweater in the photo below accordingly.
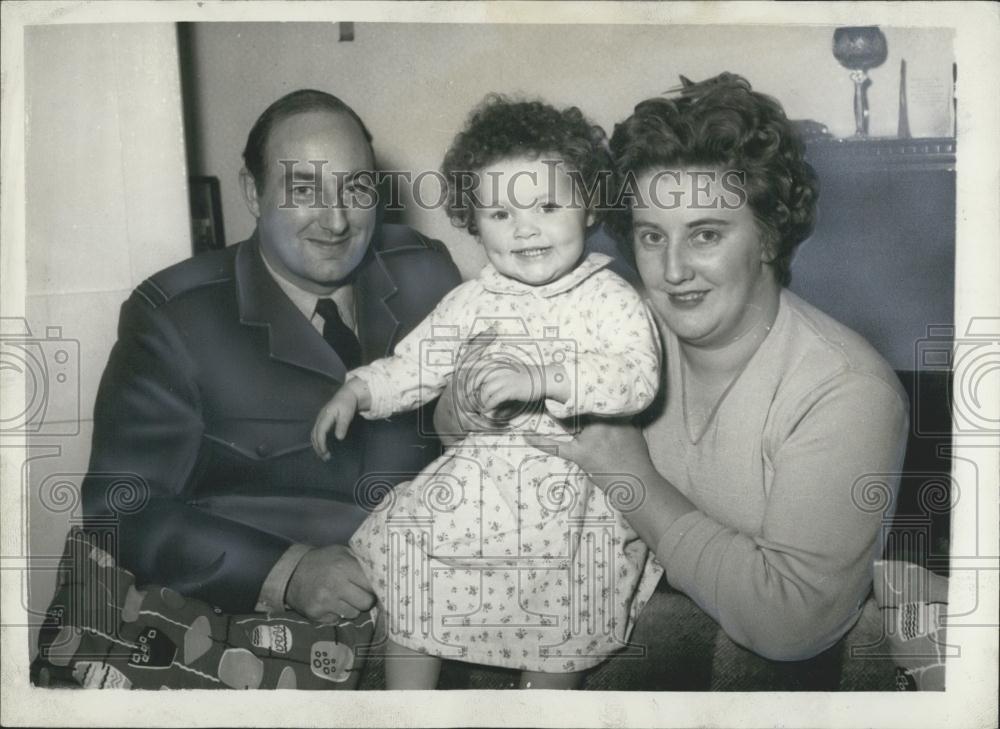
(792, 479)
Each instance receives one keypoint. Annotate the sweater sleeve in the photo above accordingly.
(793, 591)
(619, 372)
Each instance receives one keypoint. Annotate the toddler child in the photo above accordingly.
(499, 553)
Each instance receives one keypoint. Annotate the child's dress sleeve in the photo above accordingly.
(422, 362)
(616, 370)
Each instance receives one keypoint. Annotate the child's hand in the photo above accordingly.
(336, 414)
(525, 383)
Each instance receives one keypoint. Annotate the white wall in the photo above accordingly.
(106, 196)
(414, 84)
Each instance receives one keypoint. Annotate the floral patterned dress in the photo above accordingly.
(499, 553)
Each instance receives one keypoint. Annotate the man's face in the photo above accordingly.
(314, 222)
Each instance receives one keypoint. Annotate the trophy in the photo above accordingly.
(860, 48)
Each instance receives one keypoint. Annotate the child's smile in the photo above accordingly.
(533, 252)
(531, 225)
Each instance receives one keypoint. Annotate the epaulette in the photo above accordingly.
(393, 237)
(433, 243)
(194, 273)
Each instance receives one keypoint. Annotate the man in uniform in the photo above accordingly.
(201, 460)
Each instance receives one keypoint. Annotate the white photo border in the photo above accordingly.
(971, 697)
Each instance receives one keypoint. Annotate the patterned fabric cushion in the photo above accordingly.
(914, 602)
(104, 631)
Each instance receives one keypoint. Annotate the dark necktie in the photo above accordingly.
(338, 335)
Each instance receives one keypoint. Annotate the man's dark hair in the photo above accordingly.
(297, 102)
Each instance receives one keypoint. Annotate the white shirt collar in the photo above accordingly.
(305, 301)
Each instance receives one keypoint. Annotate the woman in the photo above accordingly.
(771, 412)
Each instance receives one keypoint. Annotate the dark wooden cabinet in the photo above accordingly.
(882, 258)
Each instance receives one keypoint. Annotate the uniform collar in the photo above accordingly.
(305, 301)
(263, 303)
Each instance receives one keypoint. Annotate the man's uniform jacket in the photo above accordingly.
(202, 472)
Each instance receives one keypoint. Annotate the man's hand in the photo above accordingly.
(329, 584)
(338, 414)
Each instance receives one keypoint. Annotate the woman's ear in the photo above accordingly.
(768, 245)
(591, 218)
(766, 252)
(248, 185)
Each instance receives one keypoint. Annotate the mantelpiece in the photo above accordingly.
(884, 154)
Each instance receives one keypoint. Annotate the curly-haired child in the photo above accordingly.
(500, 553)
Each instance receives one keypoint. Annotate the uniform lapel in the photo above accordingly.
(375, 291)
(262, 303)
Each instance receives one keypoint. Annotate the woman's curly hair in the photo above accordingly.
(501, 128)
(723, 123)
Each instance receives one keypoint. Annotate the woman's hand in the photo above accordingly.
(606, 449)
(615, 454)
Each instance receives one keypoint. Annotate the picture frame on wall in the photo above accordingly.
(207, 230)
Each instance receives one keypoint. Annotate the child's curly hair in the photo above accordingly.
(501, 128)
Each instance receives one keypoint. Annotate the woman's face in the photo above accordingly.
(701, 257)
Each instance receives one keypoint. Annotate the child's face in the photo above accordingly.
(532, 223)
